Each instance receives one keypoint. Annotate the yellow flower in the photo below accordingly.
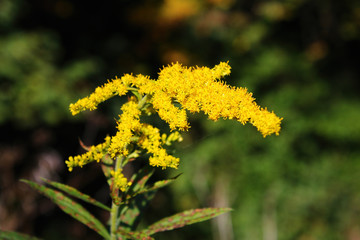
(161, 159)
(96, 153)
(199, 89)
(128, 123)
(194, 89)
(143, 83)
(152, 142)
(117, 86)
(178, 90)
(266, 122)
(174, 116)
(120, 180)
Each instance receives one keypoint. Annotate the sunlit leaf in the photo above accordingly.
(184, 218)
(132, 235)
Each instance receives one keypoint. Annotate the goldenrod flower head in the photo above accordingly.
(143, 83)
(150, 138)
(195, 89)
(177, 90)
(128, 123)
(199, 89)
(152, 142)
(120, 180)
(174, 116)
(117, 86)
(96, 153)
(161, 159)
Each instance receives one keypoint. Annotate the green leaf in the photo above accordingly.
(140, 197)
(158, 184)
(132, 235)
(76, 193)
(185, 218)
(140, 178)
(131, 215)
(71, 207)
(138, 181)
(7, 235)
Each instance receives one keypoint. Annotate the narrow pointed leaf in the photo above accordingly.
(185, 218)
(87, 148)
(8, 235)
(139, 181)
(133, 235)
(159, 184)
(76, 193)
(71, 207)
(132, 214)
(140, 178)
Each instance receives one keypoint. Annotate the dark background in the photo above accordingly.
(300, 58)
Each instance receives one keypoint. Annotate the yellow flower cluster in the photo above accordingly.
(129, 127)
(120, 180)
(163, 104)
(95, 153)
(129, 122)
(177, 89)
(101, 94)
(151, 141)
(198, 89)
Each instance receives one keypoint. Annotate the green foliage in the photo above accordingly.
(34, 87)
(76, 193)
(72, 208)
(176, 221)
(130, 212)
(185, 218)
(7, 235)
(159, 184)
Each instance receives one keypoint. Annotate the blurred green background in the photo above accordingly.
(300, 58)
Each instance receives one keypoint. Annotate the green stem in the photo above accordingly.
(114, 207)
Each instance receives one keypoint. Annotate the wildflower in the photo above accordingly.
(117, 86)
(161, 159)
(175, 117)
(199, 89)
(128, 123)
(177, 90)
(95, 153)
(152, 142)
(120, 180)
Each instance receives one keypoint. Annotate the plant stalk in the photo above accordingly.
(114, 207)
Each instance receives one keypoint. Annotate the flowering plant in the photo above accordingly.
(177, 90)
